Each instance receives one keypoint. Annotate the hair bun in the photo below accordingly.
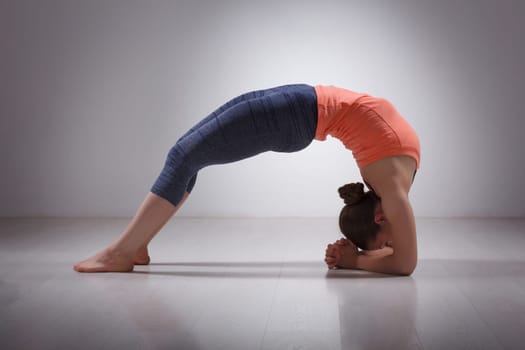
(352, 193)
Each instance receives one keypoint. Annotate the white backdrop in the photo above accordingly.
(94, 93)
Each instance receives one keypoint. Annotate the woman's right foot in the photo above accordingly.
(108, 260)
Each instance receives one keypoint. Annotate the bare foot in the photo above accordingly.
(142, 256)
(108, 260)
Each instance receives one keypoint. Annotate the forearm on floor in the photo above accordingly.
(389, 264)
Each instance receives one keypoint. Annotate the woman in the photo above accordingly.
(287, 119)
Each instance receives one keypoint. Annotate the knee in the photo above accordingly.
(176, 153)
(181, 164)
(179, 160)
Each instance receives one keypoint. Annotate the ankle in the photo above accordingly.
(119, 251)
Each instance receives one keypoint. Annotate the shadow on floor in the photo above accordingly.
(252, 269)
(430, 268)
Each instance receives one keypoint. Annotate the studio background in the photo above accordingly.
(94, 93)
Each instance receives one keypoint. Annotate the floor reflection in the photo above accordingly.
(159, 316)
(376, 313)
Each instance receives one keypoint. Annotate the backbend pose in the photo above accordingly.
(287, 119)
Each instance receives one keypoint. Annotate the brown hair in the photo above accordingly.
(356, 220)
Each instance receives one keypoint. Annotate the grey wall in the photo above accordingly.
(93, 94)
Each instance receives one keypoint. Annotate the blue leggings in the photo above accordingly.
(281, 119)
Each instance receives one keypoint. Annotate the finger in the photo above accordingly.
(339, 250)
(332, 249)
(342, 242)
(329, 260)
(332, 256)
(330, 265)
(334, 253)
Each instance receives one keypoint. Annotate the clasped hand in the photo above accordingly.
(342, 253)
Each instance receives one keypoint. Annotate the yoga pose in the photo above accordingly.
(379, 222)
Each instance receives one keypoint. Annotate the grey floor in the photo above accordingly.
(260, 284)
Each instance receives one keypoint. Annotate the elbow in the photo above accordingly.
(407, 268)
(405, 272)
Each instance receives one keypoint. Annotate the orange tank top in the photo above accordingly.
(370, 127)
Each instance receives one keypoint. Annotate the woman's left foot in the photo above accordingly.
(142, 257)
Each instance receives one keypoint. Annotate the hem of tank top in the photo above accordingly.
(414, 154)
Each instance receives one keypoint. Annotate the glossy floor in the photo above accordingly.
(259, 284)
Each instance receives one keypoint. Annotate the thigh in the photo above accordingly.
(251, 95)
(266, 120)
(232, 135)
(228, 105)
